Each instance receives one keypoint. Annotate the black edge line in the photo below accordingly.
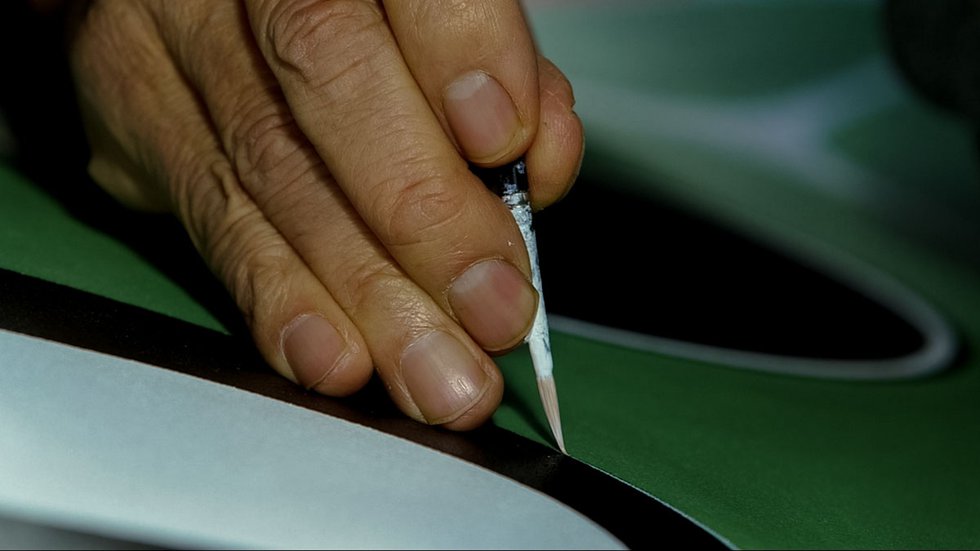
(56, 312)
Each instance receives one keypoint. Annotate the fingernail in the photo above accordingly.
(494, 302)
(313, 348)
(482, 116)
(442, 376)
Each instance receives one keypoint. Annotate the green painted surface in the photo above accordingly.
(944, 150)
(764, 460)
(40, 237)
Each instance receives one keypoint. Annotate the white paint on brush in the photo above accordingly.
(537, 339)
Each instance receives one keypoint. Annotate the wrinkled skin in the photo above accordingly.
(317, 153)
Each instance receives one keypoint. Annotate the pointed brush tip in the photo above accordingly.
(549, 399)
(559, 438)
(561, 443)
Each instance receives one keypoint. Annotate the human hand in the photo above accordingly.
(316, 152)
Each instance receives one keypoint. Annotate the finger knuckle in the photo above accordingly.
(244, 251)
(304, 35)
(418, 210)
(249, 258)
(253, 268)
(375, 281)
(207, 200)
(265, 145)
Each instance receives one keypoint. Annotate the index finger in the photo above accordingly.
(477, 65)
(492, 93)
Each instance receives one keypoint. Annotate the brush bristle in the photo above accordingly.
(549, 398)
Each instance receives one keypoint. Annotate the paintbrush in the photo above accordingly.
(509, 182)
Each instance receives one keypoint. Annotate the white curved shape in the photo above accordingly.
(117, 448)
(940, 342)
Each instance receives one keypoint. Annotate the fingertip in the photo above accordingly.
(484, 120)
(449, 381)
(482, 409)
(350, 375)
(495, 302)
(321, 358)
(476, 63)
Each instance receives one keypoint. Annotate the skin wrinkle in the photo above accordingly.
(262, 139)
(200, 206)
(415, 163)
(241, 265)
(185, 198)
(155, 141)
(289, 28)
(307, 237)
(297, 175)
(367, 210)
(375, 285)
(302, 37)
(353, 118)
(262, 130)
(357, 259)
(250, 106)
(251, 266)
(224, 206)
(297, 196)
(377, 279)
(395, 122)
(264, 171)
(258, 277)
(418, 212)
(379, 127)
(265, 143)
(193, 21)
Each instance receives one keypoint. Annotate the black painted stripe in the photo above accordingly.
(55, 312)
